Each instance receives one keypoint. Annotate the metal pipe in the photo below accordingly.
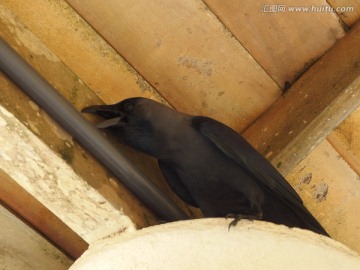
(19, 71)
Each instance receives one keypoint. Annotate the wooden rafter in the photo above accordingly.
(24, 204)
(317, 103)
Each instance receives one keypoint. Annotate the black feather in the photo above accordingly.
(207, 164)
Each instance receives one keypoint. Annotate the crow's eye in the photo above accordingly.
(128, 107)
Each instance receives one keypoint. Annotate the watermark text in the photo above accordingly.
(309, 9)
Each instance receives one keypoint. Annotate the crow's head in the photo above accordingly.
(116, 115)
(142, 123)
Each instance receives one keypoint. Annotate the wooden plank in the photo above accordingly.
(318, 102)
(24, 204)
(330, 190)
(348, 11)
(348, 156)
(23, 248)
(346, 140)
(182, 49)
(79, 47)
(284, 43)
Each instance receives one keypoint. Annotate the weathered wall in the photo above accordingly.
(30, 162)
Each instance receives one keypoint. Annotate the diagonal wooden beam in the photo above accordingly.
(31, 210)
(317, 103)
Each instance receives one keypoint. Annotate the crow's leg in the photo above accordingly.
(238, 217)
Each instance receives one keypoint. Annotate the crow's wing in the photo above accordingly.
(238, 149)
(175, 183)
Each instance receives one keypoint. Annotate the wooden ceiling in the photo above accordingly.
(283, 79)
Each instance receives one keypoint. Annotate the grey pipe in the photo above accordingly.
(19, 71)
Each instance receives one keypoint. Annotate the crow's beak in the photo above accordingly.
(105, 111)
(109, 112)
(110, 122)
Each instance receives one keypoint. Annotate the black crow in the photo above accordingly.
(207, 164)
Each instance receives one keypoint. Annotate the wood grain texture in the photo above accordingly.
(317, 103)
(25, 205)
(344, 152)
(80, 48)
(346, 140)
(182, 49)
(284, 43)
(348, 11)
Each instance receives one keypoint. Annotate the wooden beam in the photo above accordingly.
(25, 205)
(351, 159)
(318, 102)
(346, 140)
(23, 248)
(348, 11)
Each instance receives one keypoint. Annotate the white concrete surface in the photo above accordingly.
(207, 244)
(33, 165)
